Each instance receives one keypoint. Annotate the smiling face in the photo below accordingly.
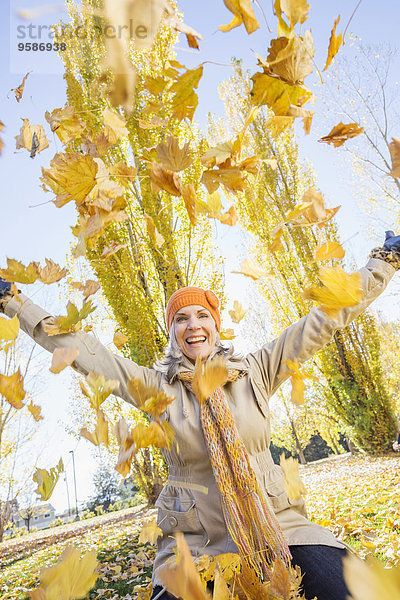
(195, 331)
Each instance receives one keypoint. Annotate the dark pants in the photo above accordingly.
(322, 573)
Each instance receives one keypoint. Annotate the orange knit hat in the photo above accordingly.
(186, 296)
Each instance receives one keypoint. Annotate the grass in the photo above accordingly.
(357, 498)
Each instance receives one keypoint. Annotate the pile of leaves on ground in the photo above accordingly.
(356, 497)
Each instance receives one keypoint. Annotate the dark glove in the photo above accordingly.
(5, 287)
(392, 242)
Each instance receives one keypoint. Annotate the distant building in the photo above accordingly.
(39, 516)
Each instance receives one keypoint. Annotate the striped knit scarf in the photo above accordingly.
(250, 521)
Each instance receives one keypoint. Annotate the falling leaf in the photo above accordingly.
(149, 398)
(278, 125)
(12, 388)
(291, 59)
(72, 176)
(172, 20)
(311, 210)
(127, 447)
(120, 339)
(243, 13)
(217, 155)
(229, 218)
(252, 269)
(335, 42)
(232, 178)
(329, 250)
(185, 100)
(208, 377)
(394, 148)
(17, 272)
(100, 434)
(35, 411)
(72, 321)
(339, 290)
(297, 377)
(189, 198)
(63, 357)
(126, 173)
(65, 123)
(183, 580)
(99, 388)
(114, 126)
(46, 481)
(370, 580)
(9, 329)
(71, 578)
(293, 484)
(280, 580)
(227, 334)
(172, 157)
(88, 288)
(20, 89)
(159, 435)
(150, 533)
(238, 312)
(278, 94)
(112, 249)
(25, 137)
(341, 132)
(276, 238)
(154, 122)
(153, 232)
(221, 591)
(51, 272)
(163, 179)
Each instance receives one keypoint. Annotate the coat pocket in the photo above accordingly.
(277, 495)
(185, 519)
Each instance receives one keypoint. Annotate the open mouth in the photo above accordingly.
(195, 340)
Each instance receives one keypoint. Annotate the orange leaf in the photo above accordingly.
(341, 132)
(335, 42)
(20, 89)
(329, 250)
(11, 387)
(394, 148)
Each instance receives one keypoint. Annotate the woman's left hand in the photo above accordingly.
(392, 242)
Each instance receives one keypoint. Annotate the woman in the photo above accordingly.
(195, 501)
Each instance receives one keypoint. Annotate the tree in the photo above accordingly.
(108, 488)
(352, 381)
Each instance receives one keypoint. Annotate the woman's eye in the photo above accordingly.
(203, 316)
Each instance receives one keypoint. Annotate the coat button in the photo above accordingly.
(186, 413)
(173, 522)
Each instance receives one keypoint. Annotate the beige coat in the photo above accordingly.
(190, 502)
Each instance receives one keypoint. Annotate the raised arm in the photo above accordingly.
(93, 356)
(303, 339)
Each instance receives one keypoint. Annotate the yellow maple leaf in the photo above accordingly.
(295, 10)
(243, 13)
(18, 91)
(17, 272)
(172, 157)
(293, 484)
(277, 125)
(150, 532)
(99, 388)
(65, 123)
(160, 435)
(221, 591)
(153, 232)
(208, 376)
(278, 94)
(182, 580)
(120, 339)
(371, 580)
(217, 155)
(35, 411)
(339, 290)
(140, 391)
(72, 577)
(251, 269)
(311, 210)
(342, 132)
(335, 41)
(63, 357)
(231, 177)
(162, 179)
(290, 59)
(31, 137)
(12, 388)
(227, 334)
(72, 176)
(51, 272)
(127, 447)
(9, 329)
(126, 173)
(329, 250)
(238, 312)
(114, 126)
(46, 480)
(100, 433)
(297, 377)
(88, 288)
(189, 198)
(185, 100)
(394, 148)
(72, 321)
(280, 581)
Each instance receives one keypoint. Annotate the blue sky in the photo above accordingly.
(33, 228)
